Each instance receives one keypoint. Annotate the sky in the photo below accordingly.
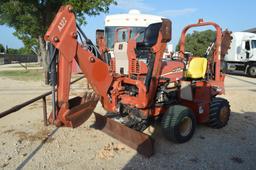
(236, 15)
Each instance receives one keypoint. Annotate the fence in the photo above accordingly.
(11, 58)
(26, 103)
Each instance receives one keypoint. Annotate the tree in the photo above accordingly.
(31, 18)
(19, 51)
(16, 51)
(2, 49)
(198, 42)
(13, 51)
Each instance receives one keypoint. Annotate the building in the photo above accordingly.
(252, 30)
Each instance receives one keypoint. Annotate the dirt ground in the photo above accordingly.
(23, 144)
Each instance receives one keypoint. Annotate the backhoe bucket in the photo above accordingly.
(81, 108)
(137, 140)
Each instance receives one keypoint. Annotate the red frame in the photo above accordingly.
(217, 53)
(205, 90)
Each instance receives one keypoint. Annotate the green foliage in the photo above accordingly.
(28, 41)
(93, 8)
(31, 18)
(20, 51)
(198, 42)
(25, 51)
(12, 51)
(2, 49)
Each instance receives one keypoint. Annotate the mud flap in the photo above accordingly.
(137, 140)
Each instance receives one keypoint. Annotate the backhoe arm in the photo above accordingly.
(62, 34)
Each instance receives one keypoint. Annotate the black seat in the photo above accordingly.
(150, 35)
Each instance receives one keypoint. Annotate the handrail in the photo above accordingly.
(24, 104)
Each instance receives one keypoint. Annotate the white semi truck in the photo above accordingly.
(242, 54)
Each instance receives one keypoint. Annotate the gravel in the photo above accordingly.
(26, 143)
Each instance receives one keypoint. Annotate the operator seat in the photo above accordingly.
(143, 49)
(150, 36)
(196, 68)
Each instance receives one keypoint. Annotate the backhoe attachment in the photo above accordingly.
(65, 49)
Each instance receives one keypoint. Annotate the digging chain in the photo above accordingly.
(225, 43)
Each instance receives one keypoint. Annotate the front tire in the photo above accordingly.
(219, 113)
(252, 71)
(178, 124)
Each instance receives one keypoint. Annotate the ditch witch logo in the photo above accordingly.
(175, 70)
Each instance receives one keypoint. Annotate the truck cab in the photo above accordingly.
(242, 54)
(134, 20)
(248, 50)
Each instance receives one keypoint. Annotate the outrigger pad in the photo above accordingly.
(81, 108)
(139, 141)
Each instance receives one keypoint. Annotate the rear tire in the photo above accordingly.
(178, 124)
(219, 113)
(252, 71)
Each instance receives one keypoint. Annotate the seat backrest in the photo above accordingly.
(197, 68)
(152, 31)
(150, 35)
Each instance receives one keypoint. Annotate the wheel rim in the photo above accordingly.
(224, 114)
(253, 71)
(185, 126)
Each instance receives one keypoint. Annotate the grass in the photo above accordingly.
(28, 65)
(25, 75)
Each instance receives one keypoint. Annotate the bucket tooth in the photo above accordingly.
(139, 141)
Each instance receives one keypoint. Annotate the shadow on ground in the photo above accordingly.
(33, 153)
(232, 147)
(237, 73)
